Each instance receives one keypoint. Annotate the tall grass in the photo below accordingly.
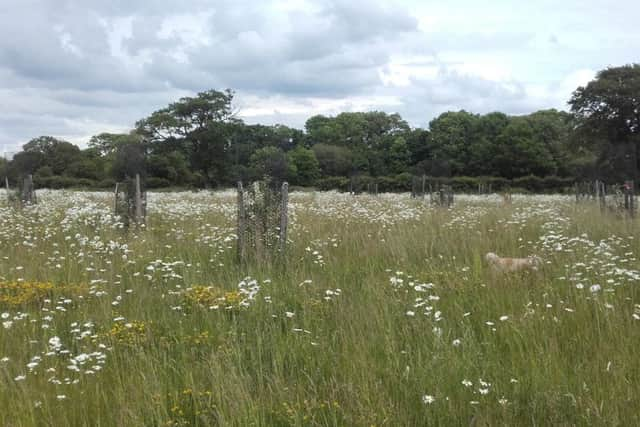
(414, 329)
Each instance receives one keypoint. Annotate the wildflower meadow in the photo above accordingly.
(382, 311)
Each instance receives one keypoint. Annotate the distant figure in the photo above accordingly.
(506, 198)
(511, 265)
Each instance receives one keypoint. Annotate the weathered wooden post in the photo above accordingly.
(628, 197)
(260, 217)
(115, 199)
(284, 215)
(242, 224)
(602, 195)
(139, 217)
(28, 193)
(6, 186)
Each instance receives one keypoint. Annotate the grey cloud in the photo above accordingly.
(452, 91)
(144, 36)
(333, 50)
(360, 20)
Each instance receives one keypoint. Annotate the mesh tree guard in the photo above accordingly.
(262, 221)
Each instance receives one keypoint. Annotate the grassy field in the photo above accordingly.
(384, 314)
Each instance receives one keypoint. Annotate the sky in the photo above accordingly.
(75, 68)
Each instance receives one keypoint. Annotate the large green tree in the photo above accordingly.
(47, 152)
(369, 136)
(607, 110)
(305, 164)
(334, 160)
(202, 127)
(520, 153)
(271, 162)
(453, 137)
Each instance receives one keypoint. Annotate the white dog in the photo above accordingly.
(510, 265)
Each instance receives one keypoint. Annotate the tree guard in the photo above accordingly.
(263, 220)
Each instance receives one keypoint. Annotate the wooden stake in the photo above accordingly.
(241, 223)
(138, 200)
(27, 190)
(115, 200)
(284, 216)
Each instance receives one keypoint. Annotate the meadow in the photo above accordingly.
(383, 312)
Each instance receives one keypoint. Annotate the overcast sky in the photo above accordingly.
(75, 68)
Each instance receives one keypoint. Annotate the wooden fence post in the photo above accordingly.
(115, 199)
(138, 201)
(28, 193)
(628, 197)
(242, 225)
(284, 216)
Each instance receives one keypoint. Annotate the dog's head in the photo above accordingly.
(491, 257)
(535, 262)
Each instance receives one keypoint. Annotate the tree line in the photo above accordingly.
(200, 142)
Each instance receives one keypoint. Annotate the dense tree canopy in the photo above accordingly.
(198, 141)
(608, 114)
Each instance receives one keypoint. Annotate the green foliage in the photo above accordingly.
(157, 182)
(198, 141)
(25, 163)
(202, 127)
(271, 162)
(333, 160)
(171, 167)
(333, 183)
(453, 136)
(108, 143)
(608, 113)
(129, 160)
(520, 153)
(306, 166)
(57, 182)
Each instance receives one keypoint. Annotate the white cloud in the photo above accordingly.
(75, 68)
